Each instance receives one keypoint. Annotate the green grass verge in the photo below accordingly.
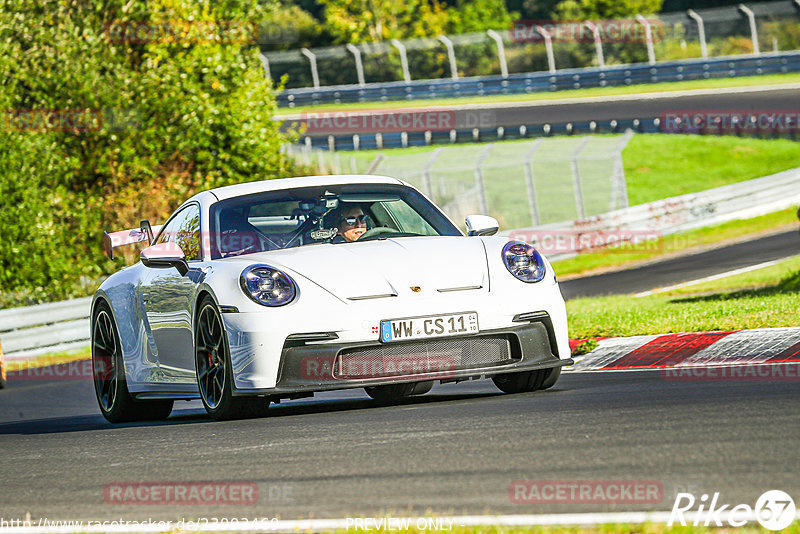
(758, 299)
(717, 83)
(49, 359)
(659, 166)
(603, 260)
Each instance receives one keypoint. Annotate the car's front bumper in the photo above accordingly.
(313, 366)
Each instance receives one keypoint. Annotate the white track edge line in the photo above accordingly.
(327, 525)
(711, 278)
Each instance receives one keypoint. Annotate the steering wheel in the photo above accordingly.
(377, 232)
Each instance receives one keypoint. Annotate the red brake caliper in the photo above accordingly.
(210, 360)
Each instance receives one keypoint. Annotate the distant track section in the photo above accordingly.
(506, 121)
(535, 82)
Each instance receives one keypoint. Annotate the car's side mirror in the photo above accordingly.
(165, 255)
(481, 225)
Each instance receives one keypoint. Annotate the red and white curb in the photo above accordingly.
(693, 349)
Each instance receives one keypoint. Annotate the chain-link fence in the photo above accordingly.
(530, 46)
(521, 184)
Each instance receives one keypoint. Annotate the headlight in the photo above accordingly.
(267, 285)
(523, 261)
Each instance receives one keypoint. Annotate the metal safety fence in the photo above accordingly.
(521, 184)
(31, 331)
(547, 47)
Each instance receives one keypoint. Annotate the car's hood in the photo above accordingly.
(386, 267)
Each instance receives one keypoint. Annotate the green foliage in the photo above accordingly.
(290, 27)
(378, 20)
(479, 15)
(168, 114)
(605, 9)
(585, 348)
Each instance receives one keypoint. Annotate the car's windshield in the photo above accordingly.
(314, 215)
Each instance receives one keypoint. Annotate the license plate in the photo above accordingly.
(451, 324)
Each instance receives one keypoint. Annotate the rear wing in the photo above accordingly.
(145, 232)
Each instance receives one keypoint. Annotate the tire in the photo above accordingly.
(552, 378)
(108, 373)
(527, 381)
(398, 391)
(213, 369)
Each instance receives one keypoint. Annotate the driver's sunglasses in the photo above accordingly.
(360, 219)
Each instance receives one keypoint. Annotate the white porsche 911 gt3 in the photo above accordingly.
(271, 290)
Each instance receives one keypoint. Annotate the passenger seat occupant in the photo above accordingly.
(237, 235)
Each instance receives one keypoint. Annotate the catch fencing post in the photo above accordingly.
(359, 66)
(751, 17)
(483, 204)
(648, 36)
(451, 55)
(427, 186)
(265, 64)
(501, 51)
(576, 178)
(403, 59)
(598, 42)
(548, 45)
(529, 183)
(374, 164)
(701, 30)
(312, 58)
(619, 189)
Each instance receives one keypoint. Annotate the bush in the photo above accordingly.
(164, 117)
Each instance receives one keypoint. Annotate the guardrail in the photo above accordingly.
(743, 200)
(533, 82)
(376, 141)
(31, 331)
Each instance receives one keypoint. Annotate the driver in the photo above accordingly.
(352, 223)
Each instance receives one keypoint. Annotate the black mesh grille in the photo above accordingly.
(438, 356)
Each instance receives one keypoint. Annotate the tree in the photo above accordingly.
(605, 9)
(115, 111)
(379, 20)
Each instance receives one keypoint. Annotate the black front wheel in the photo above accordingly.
(214, 374)
(116, 403)
(527, 381)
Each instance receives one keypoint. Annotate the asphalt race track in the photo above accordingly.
(685, 268)
(456, 450)
(624, 107)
